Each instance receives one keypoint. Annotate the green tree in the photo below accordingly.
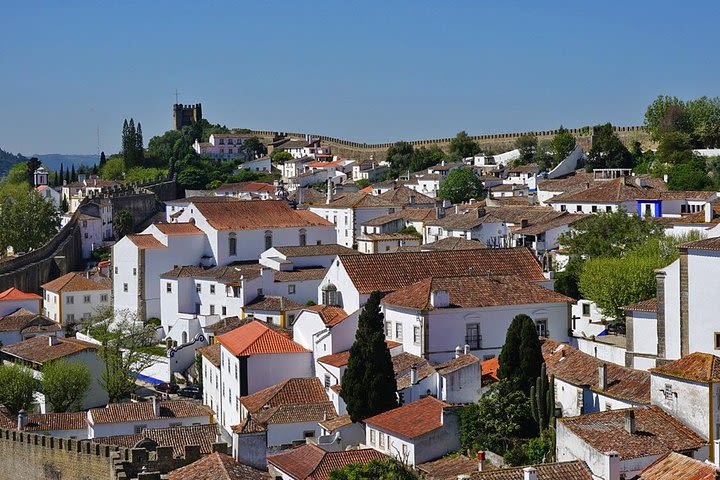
(65, 384)
(253, 147)
(497, 420)
(463, 146)
(193, 178)
(281, 156)
(674, 148)
(368, 385)
(32, 165)
(704, 115)
(73, 175)
(540, 449)
(102, 159)
(562, 145)
(18, 387)
(689, 175)
(61, 180)
(18, 174)
(27, 221)
(126, 347)
(139, 146)
(461, 185)
(607, 150)
(527, 144)
(123, 223)
(666, 114)
(542, 399)
(64, 207)
(113, 168)
(521, 356)
(386, 469)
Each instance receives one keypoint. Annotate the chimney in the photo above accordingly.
(466, 350)
(716, 451)
(630, 421)
(524, 223)
(22, 419)
(529, 473)
(612, 465)
(413, 375)
(52, 340)
(602, 376)
(440, 298)
(708, 212)
(411, 199)
(156, 406)
(481, 460)
(329, 191)
(457, 351)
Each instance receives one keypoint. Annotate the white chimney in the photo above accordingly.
(457, 351)
(612, 465)
(22, 419)
(413, 375)
(630, 422)
(440, 298)
(52, 340)
(329, 191)
(466, 350)
(708, 212)
(716, 451)
(602, 376)
(529, 473)
(156, 406)
(481, 460)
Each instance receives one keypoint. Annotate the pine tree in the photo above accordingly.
(521, 356)
(139, 149)
(102, 159)
(368, 385)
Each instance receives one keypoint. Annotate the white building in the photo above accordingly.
(222, 145)
(42, 349)
(437, 314)
(13, 299)
(49, 194)
(416, 432)
(311, 461)
(23, 324)
(247, 190)
(76, 192)
(76, 296)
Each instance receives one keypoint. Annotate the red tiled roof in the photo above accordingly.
(490, 368)
(177, 437)
(141, 411)
(456, 364)
(77, 282)
(314, 250)
(257, 214)
(145, 241)
(42, 422)
(676, 466)
(336, 359)
(23, 320)
(289, 392)
(391, 271)
(247, 187)
(609, 191)
(297, 413)
(573, 470)
(411, 420)
(301, 274)
(578, 368)
(255, 338)
(649, 305)
(212, 353)
(272, 303)
(449, 467)
(697, 366)
(217, 466)
(704, 244)
(310, 462)
(473, 292)
(38, 349)
(657, 432)
(330, 315)
(13, 293)
(178, 228)
(403, 363)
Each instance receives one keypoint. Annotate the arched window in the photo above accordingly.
(268, 239)
(232, 245)
(303, 237)
(184, 337)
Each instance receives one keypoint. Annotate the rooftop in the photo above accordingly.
(704, 244)
(391, 271)
(330, 315)
(448, 468)
(178, 229)
(145, 241)
(39, 349)
(408, 214)
(177, 437)
(676, 466)
(657, 433)
(456, 363)
(310, 462)
(301, 274)
(316, 250)
(247, 187)
(272, 303)
(294, 391)
(611, 191)
(574, 470)
(490, 368)
(142, 411)
(256, 338)
(77, 282)
(649, 305)
(411, 420)
(212, 353)
(699, 367)
(22, 320)
(217, 466)
(257, 214)
(402, 364)
(13, 293)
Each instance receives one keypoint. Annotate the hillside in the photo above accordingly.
(7, 160)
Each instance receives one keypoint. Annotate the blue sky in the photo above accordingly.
(367, 71)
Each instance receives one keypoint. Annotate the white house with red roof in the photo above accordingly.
(49, 194)
(436, 315)
(254, 357)
(312, 462)
(416, 432)
(247, 190)
(76, 296)
(14, 299)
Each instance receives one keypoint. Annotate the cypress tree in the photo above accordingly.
(521, 357)
(368, 385)
(139, 149)
(73, 175)
(102, 159)
(62, 174)
(129, 154)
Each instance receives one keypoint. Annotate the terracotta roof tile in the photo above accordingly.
(456, 364)
(290, 392)
(38, 349)
(357, 200)
(298, 413)
(145, 241)
(578, 368)
(391, 271)
(77, 282)
(704, 244)
(335, 423)
(272, 303)
(649, 305)
(675, 466)
(406, 196)
(573, 470)
(657, 432)
(473, 292)
(340, 359)
(403, 363)
(257, 214)
(408, 214)
(700, 367)
(310, 462)
(22, 320)
(411, 420)
(448, 468)
(453, 243)
(330, 315)
(490, 368)
(177, 437)
(316, 250)
(217, 466)
(141, 411)
(257, 338)
(610, 191)
(246, 187)
(13, 293)
(178, 229)
(40, 422)
(301, 274)
(212, 353)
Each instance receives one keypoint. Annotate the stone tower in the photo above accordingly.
(186, 115)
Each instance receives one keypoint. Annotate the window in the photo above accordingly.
(232, 245)
(388, 329)
(104, 297)
(291, 319)
(70, 317)
(139, 428)
(116, 270)
(168, 287)
(268, 240)
(291, 289)
(472, 335)
(416, 335)
(382, 440)
(212, 309)
(398, 331)
(327, 381)
(212, 289)
(308, 434)
(372, 436)
(578, 208)
(69, 300)
(259, 292)
(608, 209)
(303, 237)
(236, 371)
(717, 340)
(541, 326)
(401, 398)
(224, 311)
(594, 208)
(86, 298)
(586, 309)
(198, 287)
(125, 287)
(269, 319)
(134, 272)
(184, 337)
